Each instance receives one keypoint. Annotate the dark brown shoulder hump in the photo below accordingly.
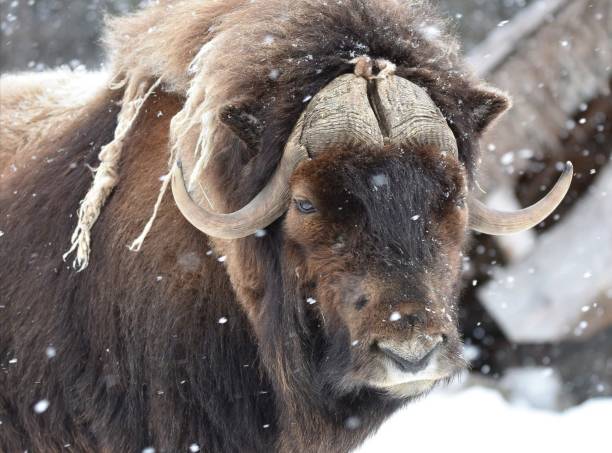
(102, 320)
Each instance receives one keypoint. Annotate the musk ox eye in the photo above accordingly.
(304, 206)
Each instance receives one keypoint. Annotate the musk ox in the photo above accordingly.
(298, 287)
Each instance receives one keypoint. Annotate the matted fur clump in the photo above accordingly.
(266, 58)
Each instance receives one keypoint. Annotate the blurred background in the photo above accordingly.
(537, 308)
(46, 33)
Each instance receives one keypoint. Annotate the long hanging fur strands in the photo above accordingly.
(186, 45)
(137, 90)
(192, 128)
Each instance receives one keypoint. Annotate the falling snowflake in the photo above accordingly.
(41, 406)
(430, 32)
(352, 422)
(507, 158)
(380, 180)
(395, 316)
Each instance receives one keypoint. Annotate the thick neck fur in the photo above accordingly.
(142, 358)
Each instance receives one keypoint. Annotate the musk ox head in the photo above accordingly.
(376, 235)
(376, 213)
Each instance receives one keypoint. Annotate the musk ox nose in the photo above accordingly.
(410, 356)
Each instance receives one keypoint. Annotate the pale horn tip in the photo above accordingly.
(491, 221)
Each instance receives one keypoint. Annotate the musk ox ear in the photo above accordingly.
(243, 123)
(487, 104)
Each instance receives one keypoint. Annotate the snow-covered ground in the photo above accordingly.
(478, 419)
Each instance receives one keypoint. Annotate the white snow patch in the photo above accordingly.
(311, 301)
(194, 448)
(536, 387)
(494, 423)
(222, 320)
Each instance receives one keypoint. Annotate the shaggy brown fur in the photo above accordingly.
(267, 56)
(142, 359)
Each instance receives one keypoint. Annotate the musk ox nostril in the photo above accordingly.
(408, 357)
(409, 365)
(413, 319)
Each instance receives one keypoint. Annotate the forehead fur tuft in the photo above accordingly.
(272, 56)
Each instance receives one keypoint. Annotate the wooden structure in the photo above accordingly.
(555, 59)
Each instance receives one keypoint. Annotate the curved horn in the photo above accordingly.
(408, 116)
(267, 206)
(338, 114)
(490, 221)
